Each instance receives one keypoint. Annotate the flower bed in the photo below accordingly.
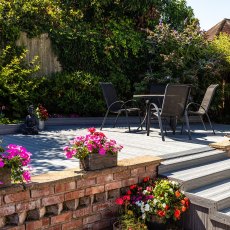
(154, 201)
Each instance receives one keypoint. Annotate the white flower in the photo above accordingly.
(164, 205)
(155, 201)
(147, 207)
(144, 192)
(143, 216)
(171, 190)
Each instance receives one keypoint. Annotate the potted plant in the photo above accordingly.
(13, 162)
(94, 150)
(160, 203)
(42, 115)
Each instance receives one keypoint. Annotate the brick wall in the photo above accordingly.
(72, 199)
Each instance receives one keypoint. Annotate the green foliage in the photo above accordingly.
(16, 81)
(185, 57)
(67, 93)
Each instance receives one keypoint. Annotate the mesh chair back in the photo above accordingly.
(175, 100)
(207, 98)
(110, 96)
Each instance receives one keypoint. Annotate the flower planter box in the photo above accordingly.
(97, 161)
(5, 177)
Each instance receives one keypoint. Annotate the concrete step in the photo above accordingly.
(189, 161)
(195, 177)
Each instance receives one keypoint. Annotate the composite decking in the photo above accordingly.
(47, 153)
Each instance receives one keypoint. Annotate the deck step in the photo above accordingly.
(195, 177)
(216, 195)
(189, 161)
(222, 216)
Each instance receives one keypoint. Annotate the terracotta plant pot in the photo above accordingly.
(156, 223)
(97, 161)
(5, 177)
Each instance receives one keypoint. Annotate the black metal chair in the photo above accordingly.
(173, 107)
(116, 106)
(202, 109)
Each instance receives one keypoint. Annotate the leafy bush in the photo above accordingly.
(67, 93)
(16, 82)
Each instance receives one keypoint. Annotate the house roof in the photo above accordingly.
(221, 27)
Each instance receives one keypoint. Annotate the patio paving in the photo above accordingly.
(47, 153)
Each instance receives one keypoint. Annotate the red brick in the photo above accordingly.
(82, 212)
(86, 182)
(42, 192)
(64, 217)
(94, 190)
(74, 195)
(15, 197)
(129, 182)
(122, 175)
(28, 205)
(22, 227)
(65, 187)
(91, 219)
(74, 224)
(56, 227)
(151, 168)
(7, 210)
(105, 179)
(137, 171)
(53, 200)
(102, 206)
(113, 185)
(37, 224)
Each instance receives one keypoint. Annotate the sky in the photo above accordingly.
(210, 12)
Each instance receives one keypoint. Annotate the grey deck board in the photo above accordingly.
(47, 147)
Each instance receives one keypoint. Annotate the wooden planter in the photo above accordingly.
(97, 161)
(5, 177)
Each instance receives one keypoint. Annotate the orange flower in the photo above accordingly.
(177, 214)
(182, 201)
(183, 208)
(177, 194)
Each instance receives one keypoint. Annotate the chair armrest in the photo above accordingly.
(158, 110)
(197, 105)
(126, 102)
(122, 102)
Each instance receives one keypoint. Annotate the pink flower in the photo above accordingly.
(119, 201)
(1, 163)
(91, 130)
(26, 176)
(102, 151)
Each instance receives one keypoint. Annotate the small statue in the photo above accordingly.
(30, 125)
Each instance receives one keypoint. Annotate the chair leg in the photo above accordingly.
(139, 114)
(116, 120)
(161, 128)
(182, 128)
(187, 124)
(210, 123)
(105, 117)
(127, 119)
(201, 118)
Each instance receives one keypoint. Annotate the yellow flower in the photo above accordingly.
(130, 212)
